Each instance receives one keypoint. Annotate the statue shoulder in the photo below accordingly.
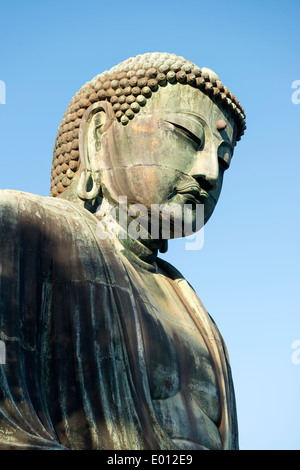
(170, 269)
(19, 210)
(24, 203)
(12, 200)
(15, 204)
(52, 234)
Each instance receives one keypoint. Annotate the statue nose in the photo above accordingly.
(204, 183)
(206, 168)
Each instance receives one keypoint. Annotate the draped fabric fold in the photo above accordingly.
(75, 374)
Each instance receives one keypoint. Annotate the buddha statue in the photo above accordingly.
(107, 345)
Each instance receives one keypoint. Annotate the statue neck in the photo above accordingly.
(142, 250)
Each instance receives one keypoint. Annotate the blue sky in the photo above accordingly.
(247, 273)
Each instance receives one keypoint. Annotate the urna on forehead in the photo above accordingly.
(128, 86)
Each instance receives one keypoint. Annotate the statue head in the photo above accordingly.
(155, 128)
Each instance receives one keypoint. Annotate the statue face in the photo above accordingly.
(171, 152)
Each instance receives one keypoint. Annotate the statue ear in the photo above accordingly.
(95, 121)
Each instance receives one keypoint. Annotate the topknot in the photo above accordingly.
(128, 86)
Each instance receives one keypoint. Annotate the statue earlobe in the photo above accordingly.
(86, 171)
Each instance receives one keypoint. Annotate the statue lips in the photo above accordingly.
(194, 190)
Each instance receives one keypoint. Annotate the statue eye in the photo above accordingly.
(187, 133)
(223, 164)
(225, 155)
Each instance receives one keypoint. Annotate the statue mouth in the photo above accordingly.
(194, 192)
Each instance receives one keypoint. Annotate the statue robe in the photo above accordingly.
(75, 373)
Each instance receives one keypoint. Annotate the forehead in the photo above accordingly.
(184, 99)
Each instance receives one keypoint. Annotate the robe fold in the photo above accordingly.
(75, 375)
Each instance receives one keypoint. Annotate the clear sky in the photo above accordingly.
(247, 273)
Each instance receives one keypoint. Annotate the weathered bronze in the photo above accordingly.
(107, 346)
